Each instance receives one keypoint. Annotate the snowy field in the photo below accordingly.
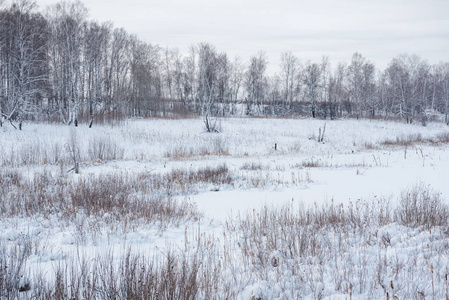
(162, 209)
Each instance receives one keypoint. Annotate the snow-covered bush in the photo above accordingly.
(104, 148)
(420, 206)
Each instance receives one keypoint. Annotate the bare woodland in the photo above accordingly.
(59, 66)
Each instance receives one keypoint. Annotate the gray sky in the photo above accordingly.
(379, 30)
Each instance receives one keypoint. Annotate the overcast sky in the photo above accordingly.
(378, 29)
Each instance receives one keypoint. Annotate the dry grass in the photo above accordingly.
(420, 206)
(183, 153)
(102, 148)
(323, 163)
(253, 166)
(263, 179)
(184, 182)
(176, 276)
(292, 251)
(347, 247)
(371, 146)
(127, 197)
(13, 278)
(417, 139)
(408, 140)
(313, 163)
(40, 152)
(216, 147)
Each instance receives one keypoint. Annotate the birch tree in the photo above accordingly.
(236, 79)
(66, 29)
(369, 88)
(325, 74)
(223, 77)
(96, 45)
(255, 82)
(145, 79)
(442, 89)
(289, 75)
(23, 59)
(336, 89)
(2, 60)
(207, 77)
(312, 84)
(118, 84)
(355, 80)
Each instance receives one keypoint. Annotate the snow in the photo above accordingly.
(352, 164)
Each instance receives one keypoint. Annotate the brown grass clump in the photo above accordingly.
(414, 139)
(420, 206)
(129, 197)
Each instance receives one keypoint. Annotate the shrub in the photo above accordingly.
(421, 206)
(252, 166)
(127, 197)
(104, 148)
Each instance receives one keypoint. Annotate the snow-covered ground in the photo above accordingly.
(359, 163)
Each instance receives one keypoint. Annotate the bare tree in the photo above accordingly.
(66, 30)
(397, 84)
(289, 74)
(224, 89)
(383, 94)
(236, 79)
(442, 89)
(96, 45)
(145, 79)
(417, 85)
(325, 74)
(178, 77)
(255, 82)
(369, 88)
(276, 95)
(423, 83)
(2, 60)
(355, 77)
(23, 59)
(407, 76)
(85, 67)
(168, 66)
(118, 83)
(312, 83)
(188, 86)
(207, 77)
(336, 89)
(445, 87)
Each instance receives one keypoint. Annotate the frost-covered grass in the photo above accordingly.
(110, 198)
(161, 139)
(366, 250)
(260, 210)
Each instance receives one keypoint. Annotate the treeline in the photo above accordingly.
(59, 66)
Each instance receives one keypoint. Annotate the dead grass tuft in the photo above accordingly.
(253, 166)
(125, 197)
(414, 139)
(420, 206)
